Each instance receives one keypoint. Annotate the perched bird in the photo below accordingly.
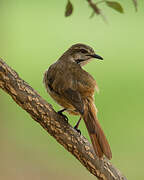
(73, 88)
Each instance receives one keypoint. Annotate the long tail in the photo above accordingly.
(99, 141)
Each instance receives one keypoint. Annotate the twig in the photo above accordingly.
(93, 6)
(96, 9)
(42, 112)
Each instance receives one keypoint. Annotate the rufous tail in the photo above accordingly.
(98, 139)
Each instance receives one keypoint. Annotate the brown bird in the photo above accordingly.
(73, 88)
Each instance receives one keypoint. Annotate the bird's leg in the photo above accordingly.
(61, 113)
(76, 126)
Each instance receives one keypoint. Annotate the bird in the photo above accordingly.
(73, 89)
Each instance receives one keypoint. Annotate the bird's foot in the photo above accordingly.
(75, 127)
(64, 116)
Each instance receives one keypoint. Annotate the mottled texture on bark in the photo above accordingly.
(42, 112)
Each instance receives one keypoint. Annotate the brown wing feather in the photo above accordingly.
(75, 99)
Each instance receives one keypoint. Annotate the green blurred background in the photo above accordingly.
(33, 34)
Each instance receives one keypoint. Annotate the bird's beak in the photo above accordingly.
(95, 56)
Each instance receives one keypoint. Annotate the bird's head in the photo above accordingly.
(82, 54)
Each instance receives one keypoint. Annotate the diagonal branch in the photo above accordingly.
(42, 112)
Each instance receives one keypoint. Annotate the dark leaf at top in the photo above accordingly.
(115, 5)
(69, 9)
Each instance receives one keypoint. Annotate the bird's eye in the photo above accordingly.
(83, 51)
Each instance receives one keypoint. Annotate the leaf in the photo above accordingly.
(115, 5)
(135, 4)
(69, 9)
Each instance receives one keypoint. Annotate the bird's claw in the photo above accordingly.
(64, 116)
(77, 130)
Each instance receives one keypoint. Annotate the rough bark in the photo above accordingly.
(42, 112)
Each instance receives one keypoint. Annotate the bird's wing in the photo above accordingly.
(64, 84)
(75, 99)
